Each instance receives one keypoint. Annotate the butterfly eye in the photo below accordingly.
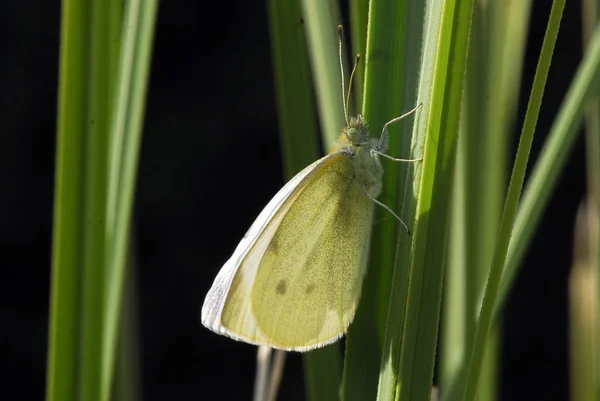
(353, 135)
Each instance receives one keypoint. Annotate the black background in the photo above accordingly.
(209, 162)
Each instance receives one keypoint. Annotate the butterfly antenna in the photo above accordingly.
(340, 41)
(356, 60)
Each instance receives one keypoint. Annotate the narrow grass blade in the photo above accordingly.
(67, 247)
(359, 13)
(79, 249)
(512, 201)
(321, 18)
(95, 245)
(583, 303)
(126, 130)
(551, 162)
(299, 141)
(590, 16)
(298, 123)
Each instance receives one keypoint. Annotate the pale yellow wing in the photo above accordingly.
(299, 285)
(215, 298)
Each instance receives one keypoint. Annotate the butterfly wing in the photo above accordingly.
(298, 283)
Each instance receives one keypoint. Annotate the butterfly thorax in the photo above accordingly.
(354, 142)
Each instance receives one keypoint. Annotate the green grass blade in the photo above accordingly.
(492, 87)
(299, 141)
(64, 330)
(512, 201)
(507, 33)
(298, 123)
(551, 162)
(359, 12)
(391, 62)
(439, 128)
(126, 129)
(590, 17)
(85, 104)
(321, 18)
(94, 247)
(323, 373)
(583, 299)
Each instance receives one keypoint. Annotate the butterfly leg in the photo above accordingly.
(389, 209)
(377, 152)
(383, 139)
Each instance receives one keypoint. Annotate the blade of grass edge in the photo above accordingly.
(512, 200)
(127, 385)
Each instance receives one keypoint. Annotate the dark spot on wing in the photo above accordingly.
(310, 288)
(281, 287)
(274, 246)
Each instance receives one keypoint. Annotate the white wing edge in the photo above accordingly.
(216, 296)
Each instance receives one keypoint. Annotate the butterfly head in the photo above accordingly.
(356, 131)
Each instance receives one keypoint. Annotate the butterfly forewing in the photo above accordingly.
(299, 285)
(216, 296)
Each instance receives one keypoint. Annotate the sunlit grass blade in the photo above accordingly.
(299, 141)
(320, 19)
(444, 78)
(298, 125)
(391, 62)
(512, 200)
